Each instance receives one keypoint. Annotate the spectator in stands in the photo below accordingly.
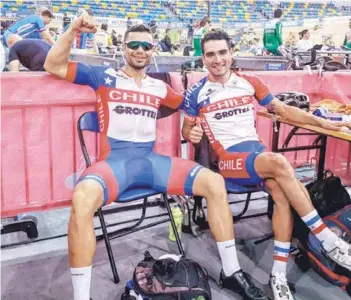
(223, 103)
(129, 23)
(153, 26)
(304, 44)
(85, 40)
(52, 32)
(66, 20)
(29, 53)
(105, 38)
(199, 34)
(347, 40)
(273, 36)
(256, 47)
(190, 31)
(26, 26)
(166, 43)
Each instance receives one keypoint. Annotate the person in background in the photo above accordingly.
(347, 40)
(129, 23)
(166, 43)
(190, 31)
(27, 26)
(198, 36)
(272, 35)
(66, 20)
(153, 27)
(52, 32)
(304, 44)
(104, 37)
(36, 34)
(30, 53)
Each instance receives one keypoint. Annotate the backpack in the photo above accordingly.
(328, 195)
(168, 278)
(340, 224)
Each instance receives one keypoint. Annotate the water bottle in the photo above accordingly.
(321, 112)
(178, 219)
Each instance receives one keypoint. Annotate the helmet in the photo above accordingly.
(296, 99)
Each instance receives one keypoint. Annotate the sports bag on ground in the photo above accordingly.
(340, 224)
(328, 195)
(168, 278)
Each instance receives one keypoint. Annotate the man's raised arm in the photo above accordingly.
(56, 62)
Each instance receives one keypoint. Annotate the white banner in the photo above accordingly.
(104, 20)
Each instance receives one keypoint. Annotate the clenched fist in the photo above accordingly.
(84, 24)
(196, 133)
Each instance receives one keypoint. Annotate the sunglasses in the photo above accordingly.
(134, 45)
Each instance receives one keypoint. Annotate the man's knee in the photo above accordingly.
(276, 192)
(87, 198)
(280, 165)
(210, 185)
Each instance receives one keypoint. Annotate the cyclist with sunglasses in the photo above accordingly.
(127, 103)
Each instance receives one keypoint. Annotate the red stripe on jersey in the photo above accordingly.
(261, 90)
(71, 71)
(128, 96)
(173, 99)
(227, 103)
(216, 146)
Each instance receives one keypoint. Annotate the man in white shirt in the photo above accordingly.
(304, 44)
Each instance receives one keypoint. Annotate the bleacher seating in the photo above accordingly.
(222, 11)
(17, 6)
(146, 10)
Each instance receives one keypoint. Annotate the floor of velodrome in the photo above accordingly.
(40, 271)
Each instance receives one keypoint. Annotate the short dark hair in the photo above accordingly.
(278, 13)
(137, 28)
(215, 35)
(47, 13)
(104, 27)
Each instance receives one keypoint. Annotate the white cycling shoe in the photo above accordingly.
(280, 287)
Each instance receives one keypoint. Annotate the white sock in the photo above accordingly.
(280, 257)
(320, 230)
(229, 257)
(81, 279)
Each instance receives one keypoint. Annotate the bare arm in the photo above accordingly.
(297, 115)
(56, 62)
(47, 37)
(14, 65)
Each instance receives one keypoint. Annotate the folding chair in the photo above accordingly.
(89, 121)
(205, 156)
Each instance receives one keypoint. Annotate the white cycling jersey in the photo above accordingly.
(227, 110)
(126, 111)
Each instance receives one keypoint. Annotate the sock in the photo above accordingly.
(229, 257)
(280, 257)
(81, 278)
(320, 230)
